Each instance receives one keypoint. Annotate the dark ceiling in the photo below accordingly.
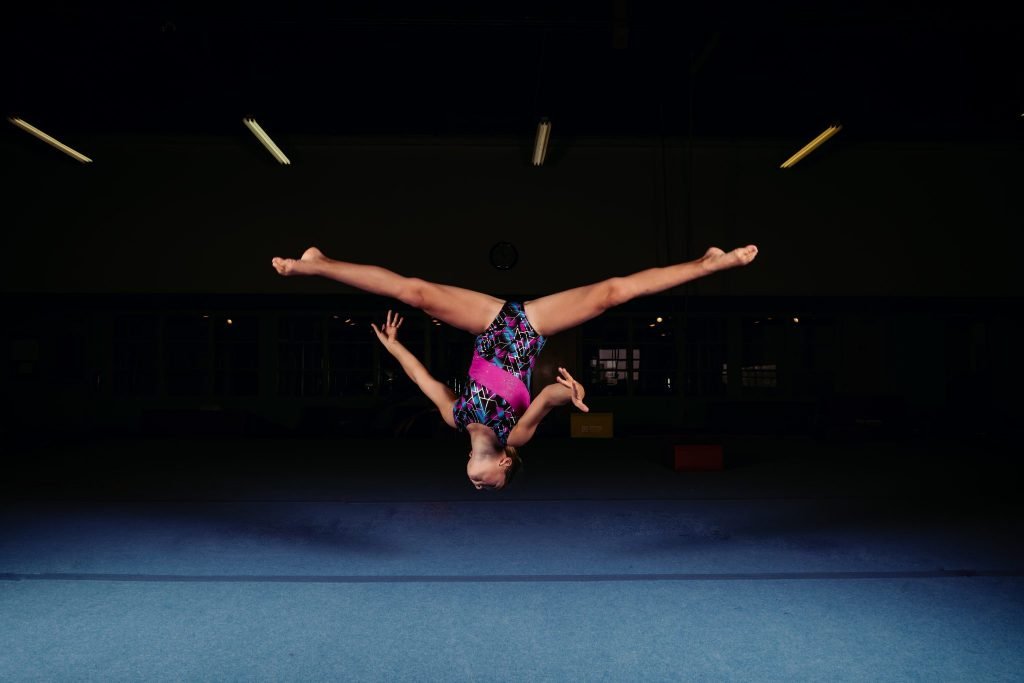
(886, 71)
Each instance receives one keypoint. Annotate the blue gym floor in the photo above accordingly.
(171, 560)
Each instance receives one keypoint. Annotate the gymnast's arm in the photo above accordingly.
(439, 394)
(551, 396)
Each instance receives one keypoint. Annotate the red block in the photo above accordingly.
(698, 457)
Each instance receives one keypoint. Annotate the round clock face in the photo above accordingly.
(504, 255)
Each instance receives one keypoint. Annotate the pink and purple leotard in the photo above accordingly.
(498, 390)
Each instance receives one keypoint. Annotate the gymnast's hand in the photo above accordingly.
(389, 335)
(576, 389)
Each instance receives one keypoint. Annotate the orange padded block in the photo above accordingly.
(698, 457)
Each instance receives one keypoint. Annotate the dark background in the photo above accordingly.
(884, 305)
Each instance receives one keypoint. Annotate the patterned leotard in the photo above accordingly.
(497, 391)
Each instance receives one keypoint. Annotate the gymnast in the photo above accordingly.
(494, 408)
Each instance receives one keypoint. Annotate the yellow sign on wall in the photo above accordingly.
(591, 426)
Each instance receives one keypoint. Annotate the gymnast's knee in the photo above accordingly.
(617, 292)
(412, 292)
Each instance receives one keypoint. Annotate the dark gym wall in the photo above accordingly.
(205, 215)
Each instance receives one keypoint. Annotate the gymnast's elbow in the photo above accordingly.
(519, 436)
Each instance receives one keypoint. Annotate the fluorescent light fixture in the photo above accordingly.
(812, 145)
(262, 136)
(540, 148)
(32, 130)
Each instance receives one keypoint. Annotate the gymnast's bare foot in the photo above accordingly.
(716, 259)
(307, 265)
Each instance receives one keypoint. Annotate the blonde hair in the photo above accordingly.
(515, 468)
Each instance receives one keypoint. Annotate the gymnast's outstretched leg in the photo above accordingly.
(551, 314)
(462, 308)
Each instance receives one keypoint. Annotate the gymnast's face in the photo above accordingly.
(487, 470)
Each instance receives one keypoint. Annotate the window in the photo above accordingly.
(606, 353)
(764, 341)
(759, 376)
(612, 366)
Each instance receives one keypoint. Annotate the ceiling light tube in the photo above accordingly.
(32, 130)
(812, 145)
(262, 136)
(540, 148)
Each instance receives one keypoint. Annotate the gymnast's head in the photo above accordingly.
(492, 466)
